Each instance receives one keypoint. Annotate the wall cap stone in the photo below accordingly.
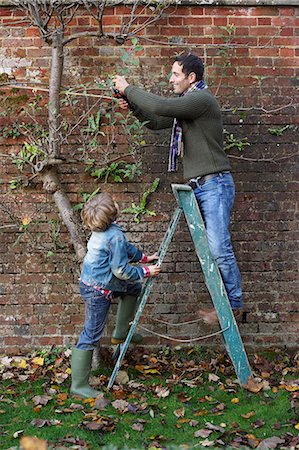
(206, 2)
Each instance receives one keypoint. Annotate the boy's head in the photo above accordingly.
(99, 212)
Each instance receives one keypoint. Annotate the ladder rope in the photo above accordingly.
(183, 340)
(173, 324)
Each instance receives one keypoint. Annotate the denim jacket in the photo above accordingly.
(106, 263)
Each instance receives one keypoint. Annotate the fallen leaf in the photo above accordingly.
(254, 385)
(101, 402)
(213, 377)
(270, 443)
(7, 375)
(38, 361)
(104, 424)
(44, 422)
(202, 433)
(41, 399)
(180, 412)
(183, 398)
(162, 392)
(122, 377)
(76, 406)
(193, 423)
(252, 440)
(33, 443)
(120, 405)
(213, 427)
(207, 443)
(62, 397)
(22, 364)
(235, 400)
(258, 424)
(248, 415)
(17, 433)
(137, 427)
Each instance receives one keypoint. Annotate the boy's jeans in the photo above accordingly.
(215, 198)
(96, 312)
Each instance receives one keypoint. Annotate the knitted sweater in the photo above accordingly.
(201, 121)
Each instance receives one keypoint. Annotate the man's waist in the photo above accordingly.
(199, 181)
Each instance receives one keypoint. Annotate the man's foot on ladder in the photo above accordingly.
(210, 317)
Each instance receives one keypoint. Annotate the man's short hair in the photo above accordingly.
(99, 212)
(191, 63)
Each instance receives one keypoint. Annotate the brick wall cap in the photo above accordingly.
(202, 2)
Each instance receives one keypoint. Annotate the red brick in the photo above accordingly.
(42, 295)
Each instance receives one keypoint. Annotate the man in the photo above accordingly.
(197, 137)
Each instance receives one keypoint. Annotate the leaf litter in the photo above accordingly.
(130, 396)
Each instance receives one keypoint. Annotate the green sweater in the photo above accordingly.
(201, 121)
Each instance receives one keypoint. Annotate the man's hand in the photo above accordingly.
(122, 103)
(154, 270)
(120, 84)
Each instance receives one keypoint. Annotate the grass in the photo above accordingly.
(164, 410)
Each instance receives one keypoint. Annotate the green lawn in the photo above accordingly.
(183, 398)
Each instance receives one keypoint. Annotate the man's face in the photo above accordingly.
(179, 80)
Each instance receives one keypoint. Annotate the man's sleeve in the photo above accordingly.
(186, 107)
(151, 121)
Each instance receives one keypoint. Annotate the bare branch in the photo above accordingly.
(270, 160)
(157, 12)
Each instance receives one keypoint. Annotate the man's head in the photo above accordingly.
(186, 70)
(99, 212)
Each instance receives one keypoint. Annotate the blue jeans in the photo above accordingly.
(96, 311)
(215, 198)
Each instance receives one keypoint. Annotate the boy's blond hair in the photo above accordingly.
(99, 212)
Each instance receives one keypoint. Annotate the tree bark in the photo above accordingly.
(53, 186)
(54, 93)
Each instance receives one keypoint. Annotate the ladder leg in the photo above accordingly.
(233, 342)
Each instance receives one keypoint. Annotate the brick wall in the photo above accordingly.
(39, 299)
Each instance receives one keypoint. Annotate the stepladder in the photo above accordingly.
(187, 205)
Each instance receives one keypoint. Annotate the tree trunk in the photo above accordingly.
(54, 93)
(49, 174)
(53, 186)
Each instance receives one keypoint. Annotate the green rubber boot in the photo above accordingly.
(125, 314)
(81, 367)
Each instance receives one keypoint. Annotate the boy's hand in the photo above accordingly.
(154, 270)
(153, 257)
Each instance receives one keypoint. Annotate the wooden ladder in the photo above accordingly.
(188, 205)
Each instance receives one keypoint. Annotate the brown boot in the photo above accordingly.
(209, 316)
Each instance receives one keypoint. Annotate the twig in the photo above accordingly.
(63, 92)
(9, 226)
(272, 160)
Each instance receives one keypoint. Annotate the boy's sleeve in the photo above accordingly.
(120, 262)
(134, 254)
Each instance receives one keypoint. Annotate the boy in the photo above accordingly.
(106, 274)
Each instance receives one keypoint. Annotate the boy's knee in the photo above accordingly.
(133, 289)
